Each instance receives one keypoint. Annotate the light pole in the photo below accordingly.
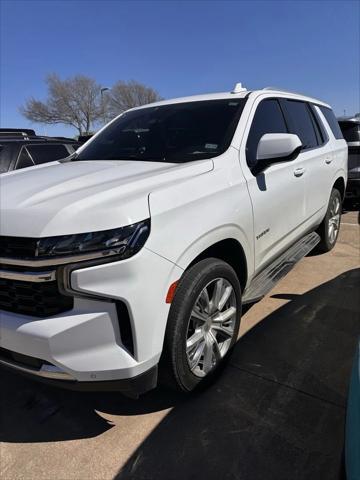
(102, 90)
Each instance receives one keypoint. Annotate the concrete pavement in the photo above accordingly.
(277, 412)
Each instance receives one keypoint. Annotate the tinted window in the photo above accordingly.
(179, 132)
(24, 160)
(47, 153)
(333, 123)
(319, 126)
(350, 131)
(302, 124)
(4, 163)
(354, 158)
(268, 118)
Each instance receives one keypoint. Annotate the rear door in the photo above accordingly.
(315, 156)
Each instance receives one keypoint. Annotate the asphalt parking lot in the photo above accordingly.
(277, 412)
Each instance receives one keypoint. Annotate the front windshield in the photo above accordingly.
(178, 132)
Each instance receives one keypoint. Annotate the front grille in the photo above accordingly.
(41, 299)
(18, 247)
(22, 360)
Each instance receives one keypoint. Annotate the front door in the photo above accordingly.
(277, 194)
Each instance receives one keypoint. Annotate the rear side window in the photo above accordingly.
(24, 160)
(302, 124)
(47, 153)
(333, 123)
(4, 163)
(268, 118)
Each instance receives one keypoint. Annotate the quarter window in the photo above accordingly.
(333, 123)
(302, 124)
(268, 118)
(319, 123)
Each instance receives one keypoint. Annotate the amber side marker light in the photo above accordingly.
(171, 292)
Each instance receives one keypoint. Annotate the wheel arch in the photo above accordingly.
(340, 185)
(230, 251)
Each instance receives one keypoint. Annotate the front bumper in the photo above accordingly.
(54, 376)
(85, 345)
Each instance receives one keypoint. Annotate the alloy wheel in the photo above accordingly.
(334, 219)
(211, 326)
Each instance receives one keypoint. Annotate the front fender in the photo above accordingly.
(189, 217)
(208, 239)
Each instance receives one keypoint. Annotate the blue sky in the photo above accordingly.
(180, 48)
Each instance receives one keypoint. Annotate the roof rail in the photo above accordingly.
(14, 135)
(22, 131)
(277, 89)
(64, 139)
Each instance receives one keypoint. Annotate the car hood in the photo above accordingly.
(82, 196)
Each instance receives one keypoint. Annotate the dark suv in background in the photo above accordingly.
(20, 148)
(350, 127)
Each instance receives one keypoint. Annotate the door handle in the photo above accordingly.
(299, 171)
(328, 160)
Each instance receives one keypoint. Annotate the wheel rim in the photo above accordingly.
(334, 220)
(211, 326)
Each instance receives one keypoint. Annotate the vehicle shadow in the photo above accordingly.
(277, 412)
(31, 411)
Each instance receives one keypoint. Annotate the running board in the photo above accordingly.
(273, 273)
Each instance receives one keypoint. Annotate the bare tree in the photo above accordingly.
(125, 95)
(75, 101)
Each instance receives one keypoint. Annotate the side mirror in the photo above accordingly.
(276, 147)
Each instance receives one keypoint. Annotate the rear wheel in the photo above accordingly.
(203, 324)
(330, 226)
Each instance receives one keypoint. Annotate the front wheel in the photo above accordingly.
(330, 226)
(203, 324)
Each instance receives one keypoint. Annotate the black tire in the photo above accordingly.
(328, 242)
(175, 369)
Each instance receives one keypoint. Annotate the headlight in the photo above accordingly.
(122, 241)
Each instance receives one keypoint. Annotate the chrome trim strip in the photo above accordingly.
(46, 371)
(29, 276)
(59, 261)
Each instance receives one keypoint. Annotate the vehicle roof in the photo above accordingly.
(35, 140)
(232, 95)
(353, 119)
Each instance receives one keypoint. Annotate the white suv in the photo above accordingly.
(131, 259)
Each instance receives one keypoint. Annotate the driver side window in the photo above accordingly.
(268, 118)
